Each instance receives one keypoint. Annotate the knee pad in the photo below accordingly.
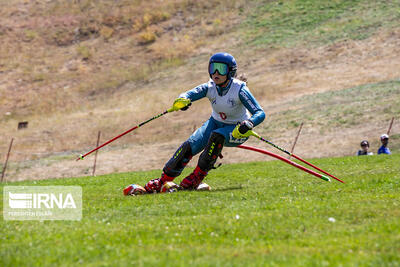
(179, 160)
(211, 152)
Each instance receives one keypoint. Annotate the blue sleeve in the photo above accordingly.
(196, 93)
(248, 100)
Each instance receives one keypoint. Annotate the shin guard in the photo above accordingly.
(179, 160)
(211, 152)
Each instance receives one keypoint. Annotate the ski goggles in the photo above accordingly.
(222, 68)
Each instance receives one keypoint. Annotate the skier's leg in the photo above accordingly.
(206, 162)
(182, 156)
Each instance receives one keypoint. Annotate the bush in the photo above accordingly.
(84, 52)
(147, 37)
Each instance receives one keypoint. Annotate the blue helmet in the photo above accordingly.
(226, 59)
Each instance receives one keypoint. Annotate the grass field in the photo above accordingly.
(72, 68)
(108, 65)
(317, 22)
(258, 214)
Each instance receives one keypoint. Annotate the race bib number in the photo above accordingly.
(222, 115)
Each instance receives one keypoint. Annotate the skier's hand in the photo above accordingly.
(186, 107)
(181, 104)
(242, 130)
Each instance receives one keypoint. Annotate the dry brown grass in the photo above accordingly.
(70, 84)
(75, 45)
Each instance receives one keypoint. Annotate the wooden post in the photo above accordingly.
(95, 156)
(5, 163)
(295, 140)
(390, 126)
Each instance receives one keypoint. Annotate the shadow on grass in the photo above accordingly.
(231, 188)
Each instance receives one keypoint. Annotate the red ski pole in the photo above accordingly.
(293, 155)
(323, 177)
(178, 104)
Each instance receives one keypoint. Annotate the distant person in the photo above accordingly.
(384, 149)
(364, 149)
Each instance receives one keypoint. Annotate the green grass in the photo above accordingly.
(258, 214)
(342, 109)
(287, 23)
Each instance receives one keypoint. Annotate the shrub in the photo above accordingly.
(84, 52)
(147, 37)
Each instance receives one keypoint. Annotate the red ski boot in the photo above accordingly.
(134, 189)
(154, 185)
(193, 180)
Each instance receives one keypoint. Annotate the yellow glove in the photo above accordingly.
(180, 103)
(243, 130)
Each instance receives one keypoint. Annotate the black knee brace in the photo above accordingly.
(210, 154)
(179, 160)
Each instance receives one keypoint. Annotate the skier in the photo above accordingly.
(234, 112)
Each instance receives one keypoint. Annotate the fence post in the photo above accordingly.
(95, 156)
(295, 140)
(390, 126)
(5, 163)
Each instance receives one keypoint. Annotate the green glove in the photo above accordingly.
(243, 130)
(179, 104)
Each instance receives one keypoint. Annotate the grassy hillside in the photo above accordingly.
(318, 22)
(335, 122)
(72, 68)
(258, 214)
(77, 53)
(341, 117)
